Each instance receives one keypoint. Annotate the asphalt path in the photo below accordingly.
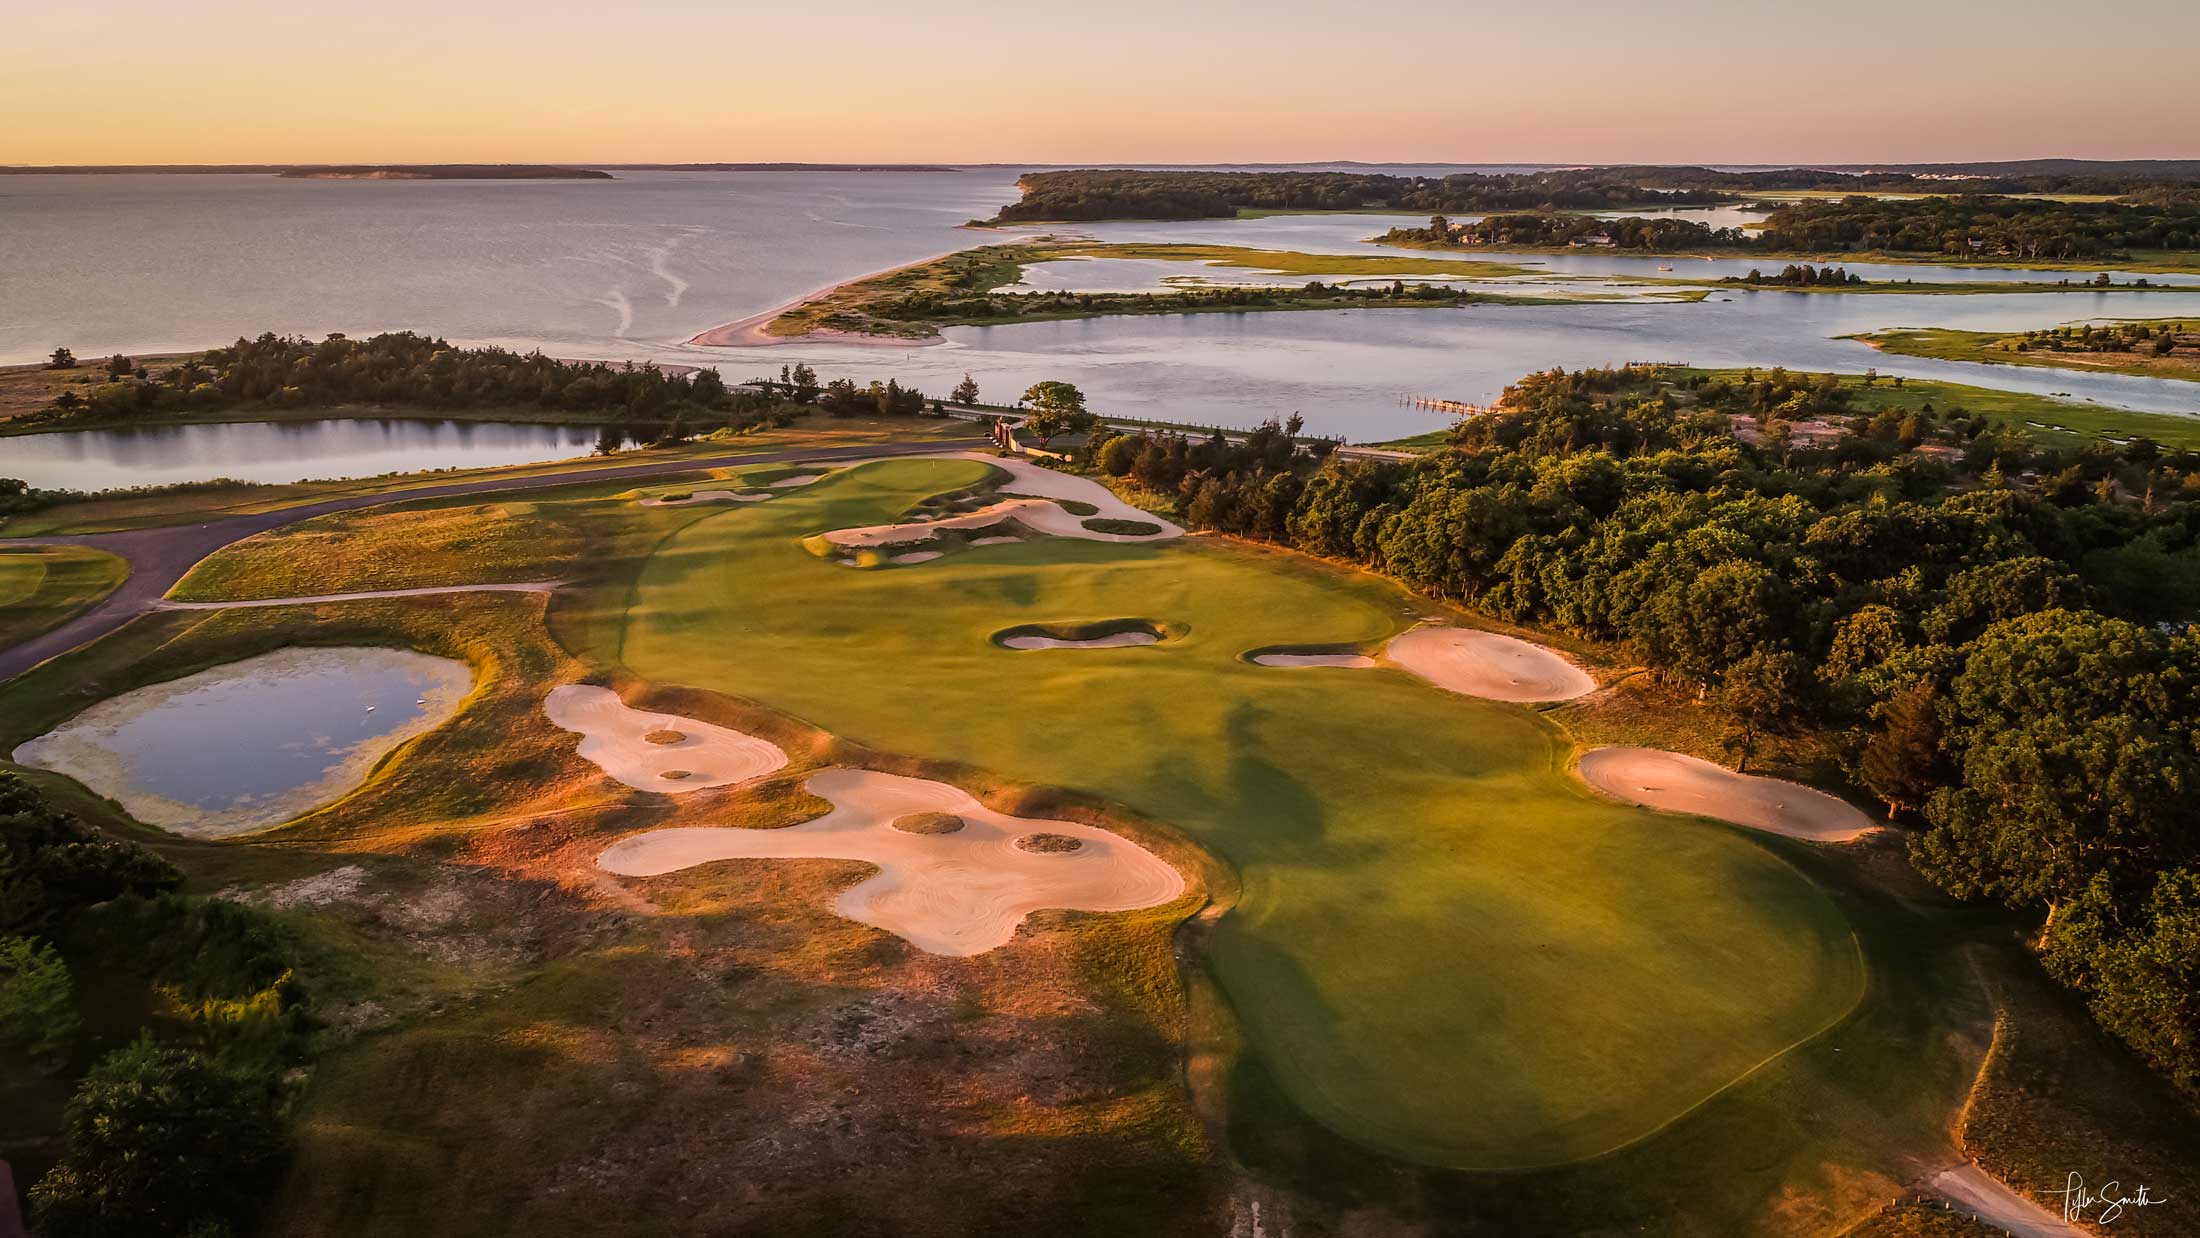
(158, 558)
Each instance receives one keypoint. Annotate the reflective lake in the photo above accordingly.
(280, 451)
(254, 743)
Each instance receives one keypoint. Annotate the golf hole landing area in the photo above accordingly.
(956, 891)
(657, 752)
(1685, 784)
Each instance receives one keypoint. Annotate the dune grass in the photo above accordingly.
(43, 587)
(1423, 887)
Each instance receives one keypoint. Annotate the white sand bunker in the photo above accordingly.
(789, 483)
(705, 496)
(917, 556)
(1353, 660)
(1484, 664)
(658, 752)
(1035, 509)
(1675, 783)
(957, 893)
(1117, 635)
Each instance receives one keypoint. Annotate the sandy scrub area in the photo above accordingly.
(1354, 660)
(524, 586)
(958, 893)
(1034, 488)
(657, 752)
(1984, 1196)
(1671, 782)
(256, 742)
(1113, 640)
(1485, 664)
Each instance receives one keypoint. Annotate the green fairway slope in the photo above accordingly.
(1443, 946)
(43, 587)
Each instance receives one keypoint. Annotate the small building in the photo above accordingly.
(1593, 240)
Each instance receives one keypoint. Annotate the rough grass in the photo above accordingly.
(43, 587)
(1610, 968)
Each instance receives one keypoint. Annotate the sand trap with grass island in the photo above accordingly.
(658, 752)
(1485, 664)
(1034, 506)
(704, 496)
(959, 892)
(1672, 782)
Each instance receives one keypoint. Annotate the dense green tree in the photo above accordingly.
(61, 359)
(1764, 694)
(966, 391)
(37, 1002)
(51, 865)
(160, 1141)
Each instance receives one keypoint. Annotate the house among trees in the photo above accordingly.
(1593, 240)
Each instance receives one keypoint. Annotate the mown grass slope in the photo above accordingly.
(1443, 946)
(43, 587)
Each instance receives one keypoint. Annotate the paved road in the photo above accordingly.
(158, 558)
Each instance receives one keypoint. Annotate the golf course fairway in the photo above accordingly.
(1443, 946)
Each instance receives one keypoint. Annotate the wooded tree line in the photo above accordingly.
(1122, 194)
(1974, 617)
(398, 368)
(2016, 227)
(1129, 194)
(1632, 232)
(954, 308)
(179, 1135)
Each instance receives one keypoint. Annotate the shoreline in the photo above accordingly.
(749, 332)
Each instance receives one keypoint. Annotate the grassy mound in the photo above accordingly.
(928, 823)
(43, 587)
(1125, 528)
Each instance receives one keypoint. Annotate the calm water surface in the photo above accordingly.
(632, 268)
(280, 451)
(254, 743)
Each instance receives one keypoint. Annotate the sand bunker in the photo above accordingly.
(1113, 640)
(917, 556)
(1354, 660)
(631, 745)
(1484, 664)
(1675, 783)
(788, 483)
(1113, 634)
(1034, 509)
(254, 743)
(706, 496)
(959, 893)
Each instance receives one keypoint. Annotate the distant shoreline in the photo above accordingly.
(446, 171)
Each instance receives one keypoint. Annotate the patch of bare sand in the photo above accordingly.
(628, 743)
(1671, 782)
(957, 894)
(1485, 664)
(1354, 660)
(1113, 640)
(1986, 1197)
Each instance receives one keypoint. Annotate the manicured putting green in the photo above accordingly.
(1444, 946)
(43, 587)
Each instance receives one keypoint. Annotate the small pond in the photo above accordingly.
(254, 743)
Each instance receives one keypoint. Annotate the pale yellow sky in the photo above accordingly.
(128, 81)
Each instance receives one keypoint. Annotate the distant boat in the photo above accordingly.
(1665, 268)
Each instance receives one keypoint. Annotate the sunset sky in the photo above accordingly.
(131, 81)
